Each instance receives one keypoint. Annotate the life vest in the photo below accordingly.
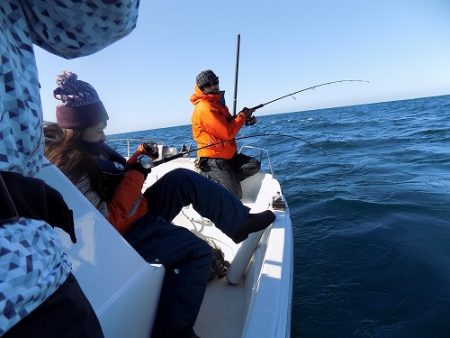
(110, 163)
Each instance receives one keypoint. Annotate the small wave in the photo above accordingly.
(365, 206)
(432, 132)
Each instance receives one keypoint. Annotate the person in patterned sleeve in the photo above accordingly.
(39, 297)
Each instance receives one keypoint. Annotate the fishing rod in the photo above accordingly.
(303, 90)
(181, 154)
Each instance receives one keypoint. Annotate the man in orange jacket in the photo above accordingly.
(212, 124)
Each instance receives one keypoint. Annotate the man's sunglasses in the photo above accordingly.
(212, 83)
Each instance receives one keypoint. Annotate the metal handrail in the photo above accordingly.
(128, 141)
(142, 140)
(261, 150)
(188, 147)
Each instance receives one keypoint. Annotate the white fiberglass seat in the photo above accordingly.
(121, 286)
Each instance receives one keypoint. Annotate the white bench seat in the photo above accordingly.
(121, 286)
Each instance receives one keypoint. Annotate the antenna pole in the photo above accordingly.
(236, 74)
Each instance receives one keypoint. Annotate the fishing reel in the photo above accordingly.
(145, 162)
(149, 148)
(250, 121)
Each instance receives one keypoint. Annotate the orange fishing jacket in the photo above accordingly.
(128, 204)
(212, 123)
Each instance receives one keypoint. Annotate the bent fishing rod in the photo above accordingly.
(181, 154)
(304, 90)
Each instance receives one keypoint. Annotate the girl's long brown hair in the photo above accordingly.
(63, 147)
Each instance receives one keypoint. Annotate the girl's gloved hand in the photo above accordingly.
(150, 149)
(141, 163)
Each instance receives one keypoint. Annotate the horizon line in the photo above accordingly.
(288, 112)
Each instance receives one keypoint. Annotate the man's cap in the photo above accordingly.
(206, 77)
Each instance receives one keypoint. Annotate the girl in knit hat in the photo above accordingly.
(113, 185)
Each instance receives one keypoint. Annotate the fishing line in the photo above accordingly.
(181, 154)
(284, 135)
(303, 90)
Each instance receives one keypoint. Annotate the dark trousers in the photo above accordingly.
(186, 257)
(66, 313)
(230, 173)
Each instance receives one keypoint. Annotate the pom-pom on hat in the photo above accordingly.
(205, 77)
(80, 105)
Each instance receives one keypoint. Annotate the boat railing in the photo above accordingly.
(261, 151)
(127, 141)
(164, 150)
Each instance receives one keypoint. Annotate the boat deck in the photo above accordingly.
(224, 308)
(221, 314)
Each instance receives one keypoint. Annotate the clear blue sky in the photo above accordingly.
(145, 80)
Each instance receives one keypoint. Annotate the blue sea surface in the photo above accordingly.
(369, 195)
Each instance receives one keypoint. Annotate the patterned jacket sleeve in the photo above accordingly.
(35, 264)
(78, 28)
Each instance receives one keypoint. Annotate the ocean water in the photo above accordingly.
(369, 194)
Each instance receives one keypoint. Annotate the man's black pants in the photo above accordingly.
(186, 257)
(230, 173)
